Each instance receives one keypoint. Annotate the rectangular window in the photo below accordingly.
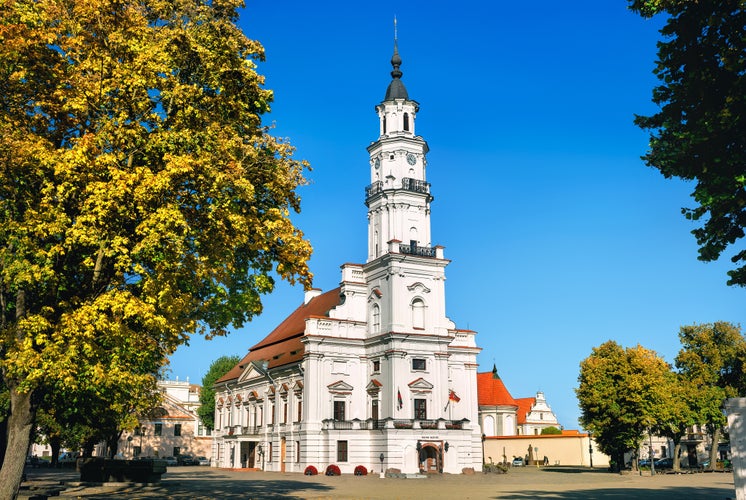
(374, 409)
(300, 411)
(200, 429)
(177, 430)
(272, 416)
(376, 366)
(419, 364)
(269, 452)
(341, 451)
(158, 430)
(420, 409)
(177, 451)
(285, 413)
(339, 410)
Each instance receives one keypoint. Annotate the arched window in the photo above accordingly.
(489, 426)
(375, 318)
(406, 121)
(418, 313)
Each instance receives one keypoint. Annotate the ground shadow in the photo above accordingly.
(673, 493)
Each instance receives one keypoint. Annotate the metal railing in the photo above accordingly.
(415, 185)
(374, 188)
(417, 250)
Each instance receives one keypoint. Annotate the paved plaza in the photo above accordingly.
(562, 483)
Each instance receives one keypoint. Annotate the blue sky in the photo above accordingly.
(560, 237)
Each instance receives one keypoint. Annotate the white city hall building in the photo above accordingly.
(372, 373)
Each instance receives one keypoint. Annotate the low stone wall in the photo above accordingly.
(104, 470)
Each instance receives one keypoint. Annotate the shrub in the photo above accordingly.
(310, 471)
(551, 430)
(333, 470)
(360, 470)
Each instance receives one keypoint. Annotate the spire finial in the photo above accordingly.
(395, 59)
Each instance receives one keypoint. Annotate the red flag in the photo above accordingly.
(453, 397)
(398, 398)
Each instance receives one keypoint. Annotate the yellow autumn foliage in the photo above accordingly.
(142, 200)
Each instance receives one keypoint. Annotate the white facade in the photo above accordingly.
(372, 373)
(538, 417)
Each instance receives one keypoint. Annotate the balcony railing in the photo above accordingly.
(415, 185)
(417, 250)
(374, 188)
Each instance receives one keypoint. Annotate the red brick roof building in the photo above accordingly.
(502, 415)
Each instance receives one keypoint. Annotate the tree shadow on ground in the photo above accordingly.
(673, 493)
(576, 470)
(259, 489)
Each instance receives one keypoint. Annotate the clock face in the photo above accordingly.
(411, 159)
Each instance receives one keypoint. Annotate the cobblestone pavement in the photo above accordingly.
(559, 483)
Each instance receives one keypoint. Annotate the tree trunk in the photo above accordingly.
(20, 424)
(676, 453)
(714, 448)
(112, 444)
(56, 444)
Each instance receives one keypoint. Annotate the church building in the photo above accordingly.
(372, 373)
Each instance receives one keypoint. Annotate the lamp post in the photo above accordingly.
(381, 457)
(590, 449)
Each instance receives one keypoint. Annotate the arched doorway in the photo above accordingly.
(429, 458)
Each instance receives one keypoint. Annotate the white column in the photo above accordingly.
(736, 410)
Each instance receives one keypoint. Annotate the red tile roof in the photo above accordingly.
(524, 408)
(283, 345)
(492, 392)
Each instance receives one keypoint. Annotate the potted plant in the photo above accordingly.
(333, 470)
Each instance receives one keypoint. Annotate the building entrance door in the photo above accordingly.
(430, 462)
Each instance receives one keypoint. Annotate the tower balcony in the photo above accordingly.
(415, 185)
(412, 249)
(373, 189)
(407, 184)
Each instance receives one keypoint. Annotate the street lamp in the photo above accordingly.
(590, 449)
(381, 457)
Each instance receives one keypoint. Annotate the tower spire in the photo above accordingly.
(396, 59)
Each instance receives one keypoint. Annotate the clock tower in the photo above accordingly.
(398, 197)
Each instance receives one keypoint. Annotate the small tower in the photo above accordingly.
(398, 197)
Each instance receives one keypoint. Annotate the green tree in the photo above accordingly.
(713, 360)
(218, 368)
(551, 430)
(698, 132)
(621, 394)
(141, 198)
(679, 412)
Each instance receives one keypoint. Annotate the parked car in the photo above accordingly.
(645, 462)
(664, 463)
(517, 462)
(171, 460)
(720, 464)
(203, 460)
(186, 460)
(68, 459)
